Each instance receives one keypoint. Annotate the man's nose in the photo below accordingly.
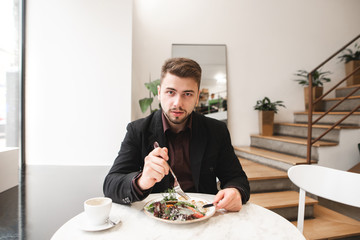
(177, 100)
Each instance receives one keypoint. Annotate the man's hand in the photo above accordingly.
(228, 199)
(155, 168)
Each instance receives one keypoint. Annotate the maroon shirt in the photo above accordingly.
(179, 154)
(179, 157)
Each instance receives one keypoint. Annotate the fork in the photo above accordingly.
(177, 187)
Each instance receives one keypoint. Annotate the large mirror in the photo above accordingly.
(213, 88)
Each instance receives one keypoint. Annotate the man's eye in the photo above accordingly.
(188, 94)
(170, 92)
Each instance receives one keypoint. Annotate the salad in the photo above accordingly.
(173, 209)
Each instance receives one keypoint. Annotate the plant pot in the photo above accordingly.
(349, 68)
(266, 123)
(316, 92)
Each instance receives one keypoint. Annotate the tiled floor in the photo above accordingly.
(51, 196)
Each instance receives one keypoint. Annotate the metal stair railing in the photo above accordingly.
(310, 141)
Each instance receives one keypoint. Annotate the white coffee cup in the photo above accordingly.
(97, 210)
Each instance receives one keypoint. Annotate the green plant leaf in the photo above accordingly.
(350, 55)
(318, 77)
(152, 86)
(145, 104)
(266, 105)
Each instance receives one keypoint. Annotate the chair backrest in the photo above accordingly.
(332, 184)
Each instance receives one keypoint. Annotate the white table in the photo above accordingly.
(252, 222)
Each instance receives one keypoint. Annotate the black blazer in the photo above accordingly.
(211, 156)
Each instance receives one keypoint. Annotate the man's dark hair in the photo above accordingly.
(182, 67)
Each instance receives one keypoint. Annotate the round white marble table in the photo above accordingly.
(252, 222)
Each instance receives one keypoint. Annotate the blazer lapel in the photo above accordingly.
(198, 144)
(156, 132)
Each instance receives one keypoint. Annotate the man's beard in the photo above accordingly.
(176, 120)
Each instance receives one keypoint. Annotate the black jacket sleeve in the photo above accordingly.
(229, 169)
(118, 184)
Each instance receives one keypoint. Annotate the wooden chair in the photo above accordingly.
(336, 185)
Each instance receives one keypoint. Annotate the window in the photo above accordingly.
(10, 72)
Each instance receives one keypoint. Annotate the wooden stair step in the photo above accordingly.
(282, 157)
(346, 87)
(355, 169)
(330, 113)
(284, 199)
(330, 118)
(340, 98)
(325, 126)
(344, 91)
(296, 140)
(256, 171)
(329, 224)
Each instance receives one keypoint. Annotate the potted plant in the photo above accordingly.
(145, 103)
(352, 61)
(318, 79)
(267, 110)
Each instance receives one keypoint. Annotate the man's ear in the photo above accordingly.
(198, 98)
(159, 89)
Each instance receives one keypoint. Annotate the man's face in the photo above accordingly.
(178, 97)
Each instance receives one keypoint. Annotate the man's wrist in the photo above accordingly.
(242, 193)
(139, 192)
(136, 184)
(139, 181)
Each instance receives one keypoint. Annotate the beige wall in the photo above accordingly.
(78, 76)
(267, 42)
(82, 55)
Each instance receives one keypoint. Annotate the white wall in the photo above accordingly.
(61, 189)
(267, 42)
(9, 168)
(333, 157)
(78, 76)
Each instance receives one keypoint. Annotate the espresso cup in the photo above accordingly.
(97, 210)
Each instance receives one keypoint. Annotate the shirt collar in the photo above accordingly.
(166, 125)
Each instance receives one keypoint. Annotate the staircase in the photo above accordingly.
(268, 158)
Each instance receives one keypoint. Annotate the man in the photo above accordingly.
(197, 148)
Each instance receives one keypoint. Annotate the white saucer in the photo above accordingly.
(84, 225)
